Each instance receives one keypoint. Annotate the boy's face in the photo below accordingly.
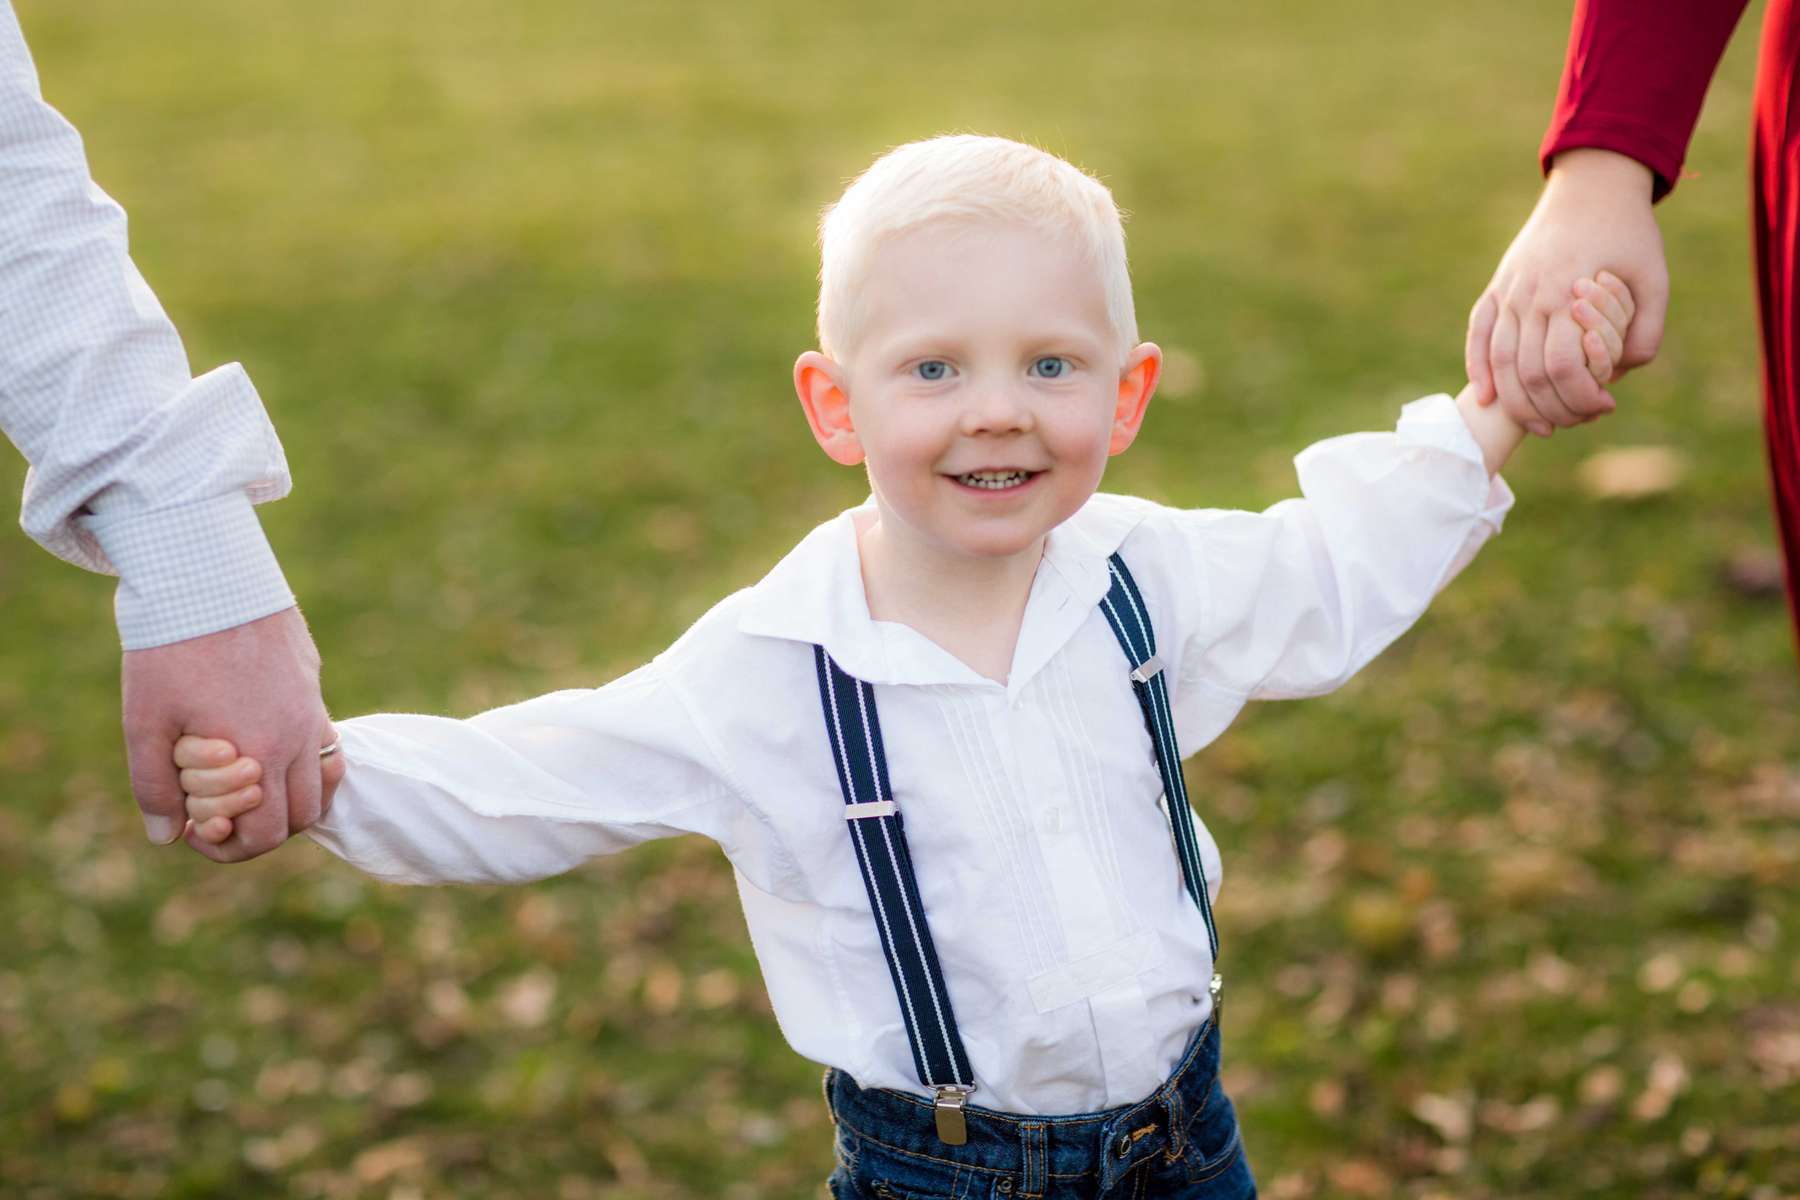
(986, 390)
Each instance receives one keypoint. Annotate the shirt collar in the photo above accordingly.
(815, 595)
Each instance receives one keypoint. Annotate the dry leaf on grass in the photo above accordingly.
(1774, 1043)
(1756, 573)
(1632, 472)
(1668, 1079)
(382, 1162)
(1361, 1177)
(526, 1001)
(1450, 1116)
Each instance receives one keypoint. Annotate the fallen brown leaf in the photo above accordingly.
(1754, 572)
(1632, 472)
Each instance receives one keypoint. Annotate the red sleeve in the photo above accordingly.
(1636, 74)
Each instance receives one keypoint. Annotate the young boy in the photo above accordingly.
(992, 649)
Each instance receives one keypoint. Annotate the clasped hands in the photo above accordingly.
(1525, 337)
(257, 682)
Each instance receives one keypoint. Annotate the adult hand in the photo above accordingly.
(1523, 346)
(257, 685)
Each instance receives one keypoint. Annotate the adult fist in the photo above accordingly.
(1523, 346)
(256, 685)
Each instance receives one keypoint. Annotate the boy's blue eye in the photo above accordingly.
(1052, 366)
(932, 369)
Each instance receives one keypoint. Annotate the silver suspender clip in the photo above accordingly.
(952, 1128)
(874, 808)
(1217, 988)
(1148, 670)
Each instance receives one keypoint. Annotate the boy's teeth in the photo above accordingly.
(993, 479)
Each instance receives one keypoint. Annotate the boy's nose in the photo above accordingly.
(997, 410)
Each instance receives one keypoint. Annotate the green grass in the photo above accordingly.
(521, 283)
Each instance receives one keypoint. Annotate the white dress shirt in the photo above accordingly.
(137, 469)
(1076, 963)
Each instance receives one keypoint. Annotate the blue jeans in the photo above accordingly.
(1179, 1142)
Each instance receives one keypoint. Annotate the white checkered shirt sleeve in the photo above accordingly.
(137, 469)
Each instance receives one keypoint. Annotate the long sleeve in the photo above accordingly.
(1635, 77)
(1294, 600)
(136, 468)
(533, 789)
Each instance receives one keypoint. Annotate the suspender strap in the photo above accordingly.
(880, 839)
(1130, 621)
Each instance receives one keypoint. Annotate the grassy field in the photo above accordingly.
(1511, 915)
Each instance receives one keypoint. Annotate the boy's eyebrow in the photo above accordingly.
(917, 344)
(1082, 338)
(952, 342)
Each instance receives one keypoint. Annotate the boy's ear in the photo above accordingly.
(1137, 383)
(821, 385)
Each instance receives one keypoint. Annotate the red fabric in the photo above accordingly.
(1775, 198)
(1635, 76)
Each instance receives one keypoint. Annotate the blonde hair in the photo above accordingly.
(965, 176)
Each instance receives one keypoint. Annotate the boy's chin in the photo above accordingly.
(998, 545)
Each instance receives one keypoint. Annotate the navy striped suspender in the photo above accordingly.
(1130, 621)
(879, 837)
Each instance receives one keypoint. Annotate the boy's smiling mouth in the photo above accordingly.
(996, 479)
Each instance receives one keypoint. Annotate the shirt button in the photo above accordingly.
(1052, 820)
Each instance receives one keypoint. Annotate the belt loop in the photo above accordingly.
(1034, 1142)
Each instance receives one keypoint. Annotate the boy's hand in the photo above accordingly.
(221, 785)
(1603, 307)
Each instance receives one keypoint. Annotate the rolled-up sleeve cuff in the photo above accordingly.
(1435, 421)
(190, 570)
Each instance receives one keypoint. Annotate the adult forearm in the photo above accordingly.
(135, 465)
(1635, 77)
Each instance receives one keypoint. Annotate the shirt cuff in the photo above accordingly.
(1435, 421)
(191, 570)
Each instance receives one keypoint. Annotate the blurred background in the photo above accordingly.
(521, 281)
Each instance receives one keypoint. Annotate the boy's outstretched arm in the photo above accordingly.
(1294, 600)
(519, 792)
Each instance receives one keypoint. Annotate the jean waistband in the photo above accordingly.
(1110, 1141)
